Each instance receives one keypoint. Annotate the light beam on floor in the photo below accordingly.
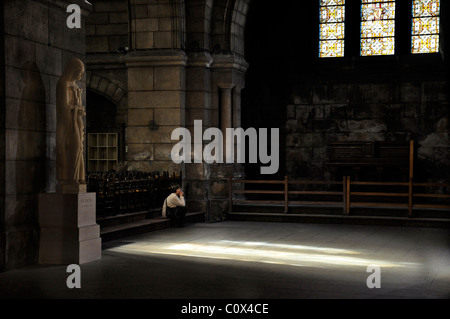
(272, 253)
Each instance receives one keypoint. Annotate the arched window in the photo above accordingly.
(377, 27)
(332, 28)
(425, 26)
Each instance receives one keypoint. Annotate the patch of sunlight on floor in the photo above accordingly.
(272, 253)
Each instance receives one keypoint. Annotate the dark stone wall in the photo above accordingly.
(317, 101)
(398, 111)
(107, 26)
(38, 44)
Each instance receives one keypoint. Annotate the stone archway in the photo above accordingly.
(228, 25)
(216, 26)
(103, 86)
(110, 90)
(101, 92)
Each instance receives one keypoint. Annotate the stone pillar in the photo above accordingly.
(226, 106)
(156, 106)
(198, 107)
(228, 80)
(226, 111)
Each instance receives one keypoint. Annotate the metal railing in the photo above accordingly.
(120, 193)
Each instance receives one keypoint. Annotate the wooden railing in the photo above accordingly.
(345, 194)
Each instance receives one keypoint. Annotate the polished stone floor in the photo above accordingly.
(252, 260)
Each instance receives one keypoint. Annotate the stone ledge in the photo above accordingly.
(143, 226)
(336, 219)
(155, 58)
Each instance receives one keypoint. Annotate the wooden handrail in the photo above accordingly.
(305, 182)
(314, 193)
(346, 194)
(257, 182)
(432, 195)
(431, 184)
(379, 194)
(381, 183)
(260, 192)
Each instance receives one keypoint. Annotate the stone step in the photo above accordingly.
(340, 219)
(128, 218)
(337, 210)
(280, 209)
(113, 232)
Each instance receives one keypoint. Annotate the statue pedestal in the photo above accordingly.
(69, 232)
(70, 188)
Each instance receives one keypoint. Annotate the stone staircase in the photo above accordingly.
(334, 215)
(121, 226)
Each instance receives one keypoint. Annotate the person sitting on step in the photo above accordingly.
(174, 207)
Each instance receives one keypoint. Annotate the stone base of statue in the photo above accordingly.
(70, 187)
(69, 232)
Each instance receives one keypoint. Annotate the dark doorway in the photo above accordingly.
(101, 117)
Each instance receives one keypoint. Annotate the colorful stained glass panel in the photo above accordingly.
(325, 3)
(377, 27)
(377, 11)
(332, 28)
(331, 31)
(377, 46)
(331, 49)
(425, 26)
(332, 14)
(426, 8)
(375, 1)
(425, 44)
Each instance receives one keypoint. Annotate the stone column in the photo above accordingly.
(226, 106)
(228, 80)
(156, 106)
(198, 107)
(226, 111)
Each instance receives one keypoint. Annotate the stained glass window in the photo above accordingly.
(377, 27)
(332, 28)
(425, 26)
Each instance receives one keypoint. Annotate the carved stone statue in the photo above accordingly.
(70, 112)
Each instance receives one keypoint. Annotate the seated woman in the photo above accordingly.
(174, 207)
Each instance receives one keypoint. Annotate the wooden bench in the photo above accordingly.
(357, 158)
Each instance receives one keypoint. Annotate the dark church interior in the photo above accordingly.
(338, 187)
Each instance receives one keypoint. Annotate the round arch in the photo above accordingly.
(216, 26)
(110, 115)
(107, 88)
(228, 25)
